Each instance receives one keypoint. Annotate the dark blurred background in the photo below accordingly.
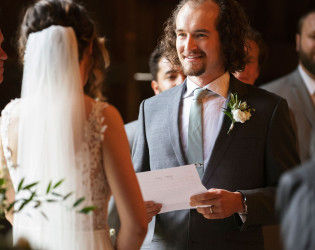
(132, 29)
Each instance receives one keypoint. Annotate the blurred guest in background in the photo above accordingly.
(255, 60)
(296, 206)
(4, 224)
(298, 87)
(3, 57)
(165, 76)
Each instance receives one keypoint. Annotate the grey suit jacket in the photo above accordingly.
(250, 159)
(293, 89)
(296, 207)
(131, 128)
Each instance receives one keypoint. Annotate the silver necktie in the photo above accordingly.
(195, 144)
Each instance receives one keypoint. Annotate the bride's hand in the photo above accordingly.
(152, 209)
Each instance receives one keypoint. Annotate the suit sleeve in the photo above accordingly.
(295, 206)
(280, 155)
(140, 151)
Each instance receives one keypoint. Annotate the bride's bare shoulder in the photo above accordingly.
(110, 112)
(11, 110)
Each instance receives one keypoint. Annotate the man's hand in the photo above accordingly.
(152, 209)
(220, 203)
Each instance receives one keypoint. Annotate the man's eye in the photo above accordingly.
(171, 77)
(180, 35)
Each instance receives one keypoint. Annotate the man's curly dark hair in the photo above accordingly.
(232, 25)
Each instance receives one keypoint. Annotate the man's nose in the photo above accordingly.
(3, 54)
(190, 43)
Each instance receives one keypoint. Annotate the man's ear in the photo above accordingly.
(155, 87)
(297, 42)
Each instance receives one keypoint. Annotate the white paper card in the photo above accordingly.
(172, 187)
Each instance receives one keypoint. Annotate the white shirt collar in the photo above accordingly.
(309, 82)
(219, 86)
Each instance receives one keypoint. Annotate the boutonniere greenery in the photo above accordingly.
(237, 111)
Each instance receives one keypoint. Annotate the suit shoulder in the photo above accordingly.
(281, 82)
(131, 125)
(268, 96)
(165, 95)
(283, 86)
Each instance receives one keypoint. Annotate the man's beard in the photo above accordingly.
(194, 70)
(307, 61)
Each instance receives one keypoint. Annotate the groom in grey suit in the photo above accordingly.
(242, 168)
(298, 87)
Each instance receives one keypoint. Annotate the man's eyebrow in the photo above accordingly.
(171, 71)
(203, 31)
(196, 31)
(179, 30)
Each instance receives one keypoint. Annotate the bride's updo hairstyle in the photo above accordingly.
(45, 13)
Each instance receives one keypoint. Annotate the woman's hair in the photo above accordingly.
(232, 25)
(45, 13)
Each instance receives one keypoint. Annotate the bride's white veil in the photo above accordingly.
(51, 143)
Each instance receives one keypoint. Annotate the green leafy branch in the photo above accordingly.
(36, 200)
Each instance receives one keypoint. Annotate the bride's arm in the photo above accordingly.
(123, 183)
(10, 194)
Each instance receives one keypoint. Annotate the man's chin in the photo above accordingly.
(193, 71)
(307, 62)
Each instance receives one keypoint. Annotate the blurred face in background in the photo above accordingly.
(168, 76)
(251, 71)
(3, 57)
(305, 44)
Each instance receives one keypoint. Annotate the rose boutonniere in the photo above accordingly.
(237, 111)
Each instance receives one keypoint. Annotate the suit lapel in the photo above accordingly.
(302, 96)
(223, 139)
(173, 116)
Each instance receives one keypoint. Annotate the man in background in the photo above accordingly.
(296, 205)
(3, 57)
(255, 60)
(298, 87)
(164, 76)
(5, 226)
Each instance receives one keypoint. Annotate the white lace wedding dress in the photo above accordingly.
(94, 129)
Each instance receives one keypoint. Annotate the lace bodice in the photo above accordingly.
(94, 133)
(94, 129)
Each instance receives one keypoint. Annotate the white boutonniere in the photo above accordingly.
(237, 111)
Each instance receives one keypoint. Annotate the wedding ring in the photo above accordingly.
(210, 208)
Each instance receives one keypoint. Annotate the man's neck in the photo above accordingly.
(204, 80)
(307, 72)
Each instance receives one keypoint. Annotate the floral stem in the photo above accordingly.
(231, 127)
